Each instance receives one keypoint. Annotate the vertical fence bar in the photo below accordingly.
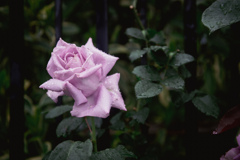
(190, 47)
(58, 29)
(58, 19)
(102, 25)
(16, 51)
(101, 8)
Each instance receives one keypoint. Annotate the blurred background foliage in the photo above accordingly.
(217, 70)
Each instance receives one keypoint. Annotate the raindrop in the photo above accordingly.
(218, 22)
(90, 106)
(211, 26)
(222, 6)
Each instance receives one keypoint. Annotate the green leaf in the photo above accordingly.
(80, 150)
(136, 54)
(207, 105)
(135, 33)
(117, 123)
(147, 72)
(175, 82)
(57, 111)
(221, 13)
(67, 125)
(159, 55)
(180, 59)
(184, 72)
(141, 115)
(156, 48)
(179, 97)
(158, 39)
(118, 153)
(147, 89)
(69, 150)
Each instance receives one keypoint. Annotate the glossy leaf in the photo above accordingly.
(230, 120)
(156, 48)
(175, 82)
(57, 111)
(117, 123)
(141, 115)
(184, 72)
(158, 39)
(147, 72)
(180, 59)
(207, 105)
(136, 54)
(221, 13)
(69, 150)
(118, 153)
(67, 125)
(147, 89)
(135, 33)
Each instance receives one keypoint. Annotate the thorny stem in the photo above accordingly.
(88, 125)
(134, 7)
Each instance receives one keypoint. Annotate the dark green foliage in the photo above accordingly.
(68, 125)
(220, 14)
(147, 73)
(57, 111)
(69, 150)
(118, 153)
(147, 89)
(207, 105)
(135, 33)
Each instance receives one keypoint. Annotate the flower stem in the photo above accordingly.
(134, 7)
(93, 135)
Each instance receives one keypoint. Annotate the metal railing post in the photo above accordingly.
(16, 51)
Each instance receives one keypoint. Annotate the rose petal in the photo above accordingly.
(87, 81)
(61, 43)
(66, 74)
(111, 83)
(75, 93)
(98, 105)
(231, 153)
(87, 54)
(238, 139)
(53, 85)
(60, 48)
(90, 71)
(54, 95)
(237, 157)
(100, 57)
(54, 64)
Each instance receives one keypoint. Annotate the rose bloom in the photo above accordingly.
(81, 72)
(234, 153)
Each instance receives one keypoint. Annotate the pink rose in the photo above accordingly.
(81, 72)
